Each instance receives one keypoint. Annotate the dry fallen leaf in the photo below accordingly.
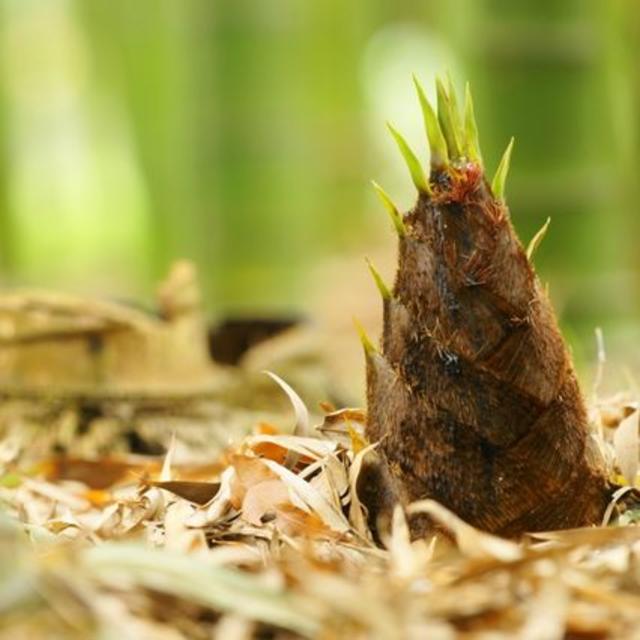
(264, 498)
(198, 492)
(248, 472)
(625, 442)
(471, 541)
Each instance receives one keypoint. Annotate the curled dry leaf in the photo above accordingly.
(548, 612)
(96, 474)
(177, 536)
(310, 448)
(312, 500)
(248, 472)
(471, 541)
(330, 478)
(625, 442)
(357, 511)
(345, 426)
(292, 521)
(165, 472)
(264, 498)
(301, 427)
(219, 506)
(402, 560)
(197, 492)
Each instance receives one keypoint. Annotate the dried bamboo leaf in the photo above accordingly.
(625, 442)
(311, 497)
(471, 541)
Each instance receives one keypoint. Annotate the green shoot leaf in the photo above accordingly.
(500, 179)
(394, 213)
(471, 142)
(437, 143)
(413, 164)
(455, 110)
(535, 242)
(447, 121)
(367, 345)
(380, 283)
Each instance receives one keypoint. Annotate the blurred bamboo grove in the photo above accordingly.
(243, 134)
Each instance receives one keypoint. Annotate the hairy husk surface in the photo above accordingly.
(473, 396)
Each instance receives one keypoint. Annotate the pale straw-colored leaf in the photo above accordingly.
(357, 511)
(165, 472)
(301, 427)
(402, 560)
(625, 443)
(309, 447)
(188, 578)
(471, 541)
(548, 612)
(219, 505)
(311, 497)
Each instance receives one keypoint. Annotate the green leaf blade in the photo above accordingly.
(394, 212)
(411, 160)
(471, 141)
(437, 142)
(500, 178)
(447, 122)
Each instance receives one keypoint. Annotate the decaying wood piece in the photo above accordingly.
(473, 396)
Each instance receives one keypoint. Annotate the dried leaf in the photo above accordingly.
(311, 497)
(301, 427)
(197, 492)
(471, 541)
(357, 511)
(547, 613)
(264, 497)
(220, 504)
(165, 472)
(625, 442)
(248, 472)
(292, 521)
(311, 448)
(96, 474)
(189, 578)
(402, 560)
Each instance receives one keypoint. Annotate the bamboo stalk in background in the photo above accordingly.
(284, 145)
(246, 124)
(140, 54)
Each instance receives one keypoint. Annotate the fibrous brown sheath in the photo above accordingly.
(473, 398)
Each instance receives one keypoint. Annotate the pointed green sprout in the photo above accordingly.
(367, 345)
(455, 110)
(535, 242)
(413, 164)
(447, 121)
(380, 283)
(471, 143)
(500, 179)
(437, 143)
(394, 213)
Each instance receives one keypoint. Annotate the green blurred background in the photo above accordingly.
(243, 133)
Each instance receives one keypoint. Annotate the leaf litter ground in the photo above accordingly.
(269, 539)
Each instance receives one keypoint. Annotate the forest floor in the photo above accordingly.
(228, 532)
(269, 539)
